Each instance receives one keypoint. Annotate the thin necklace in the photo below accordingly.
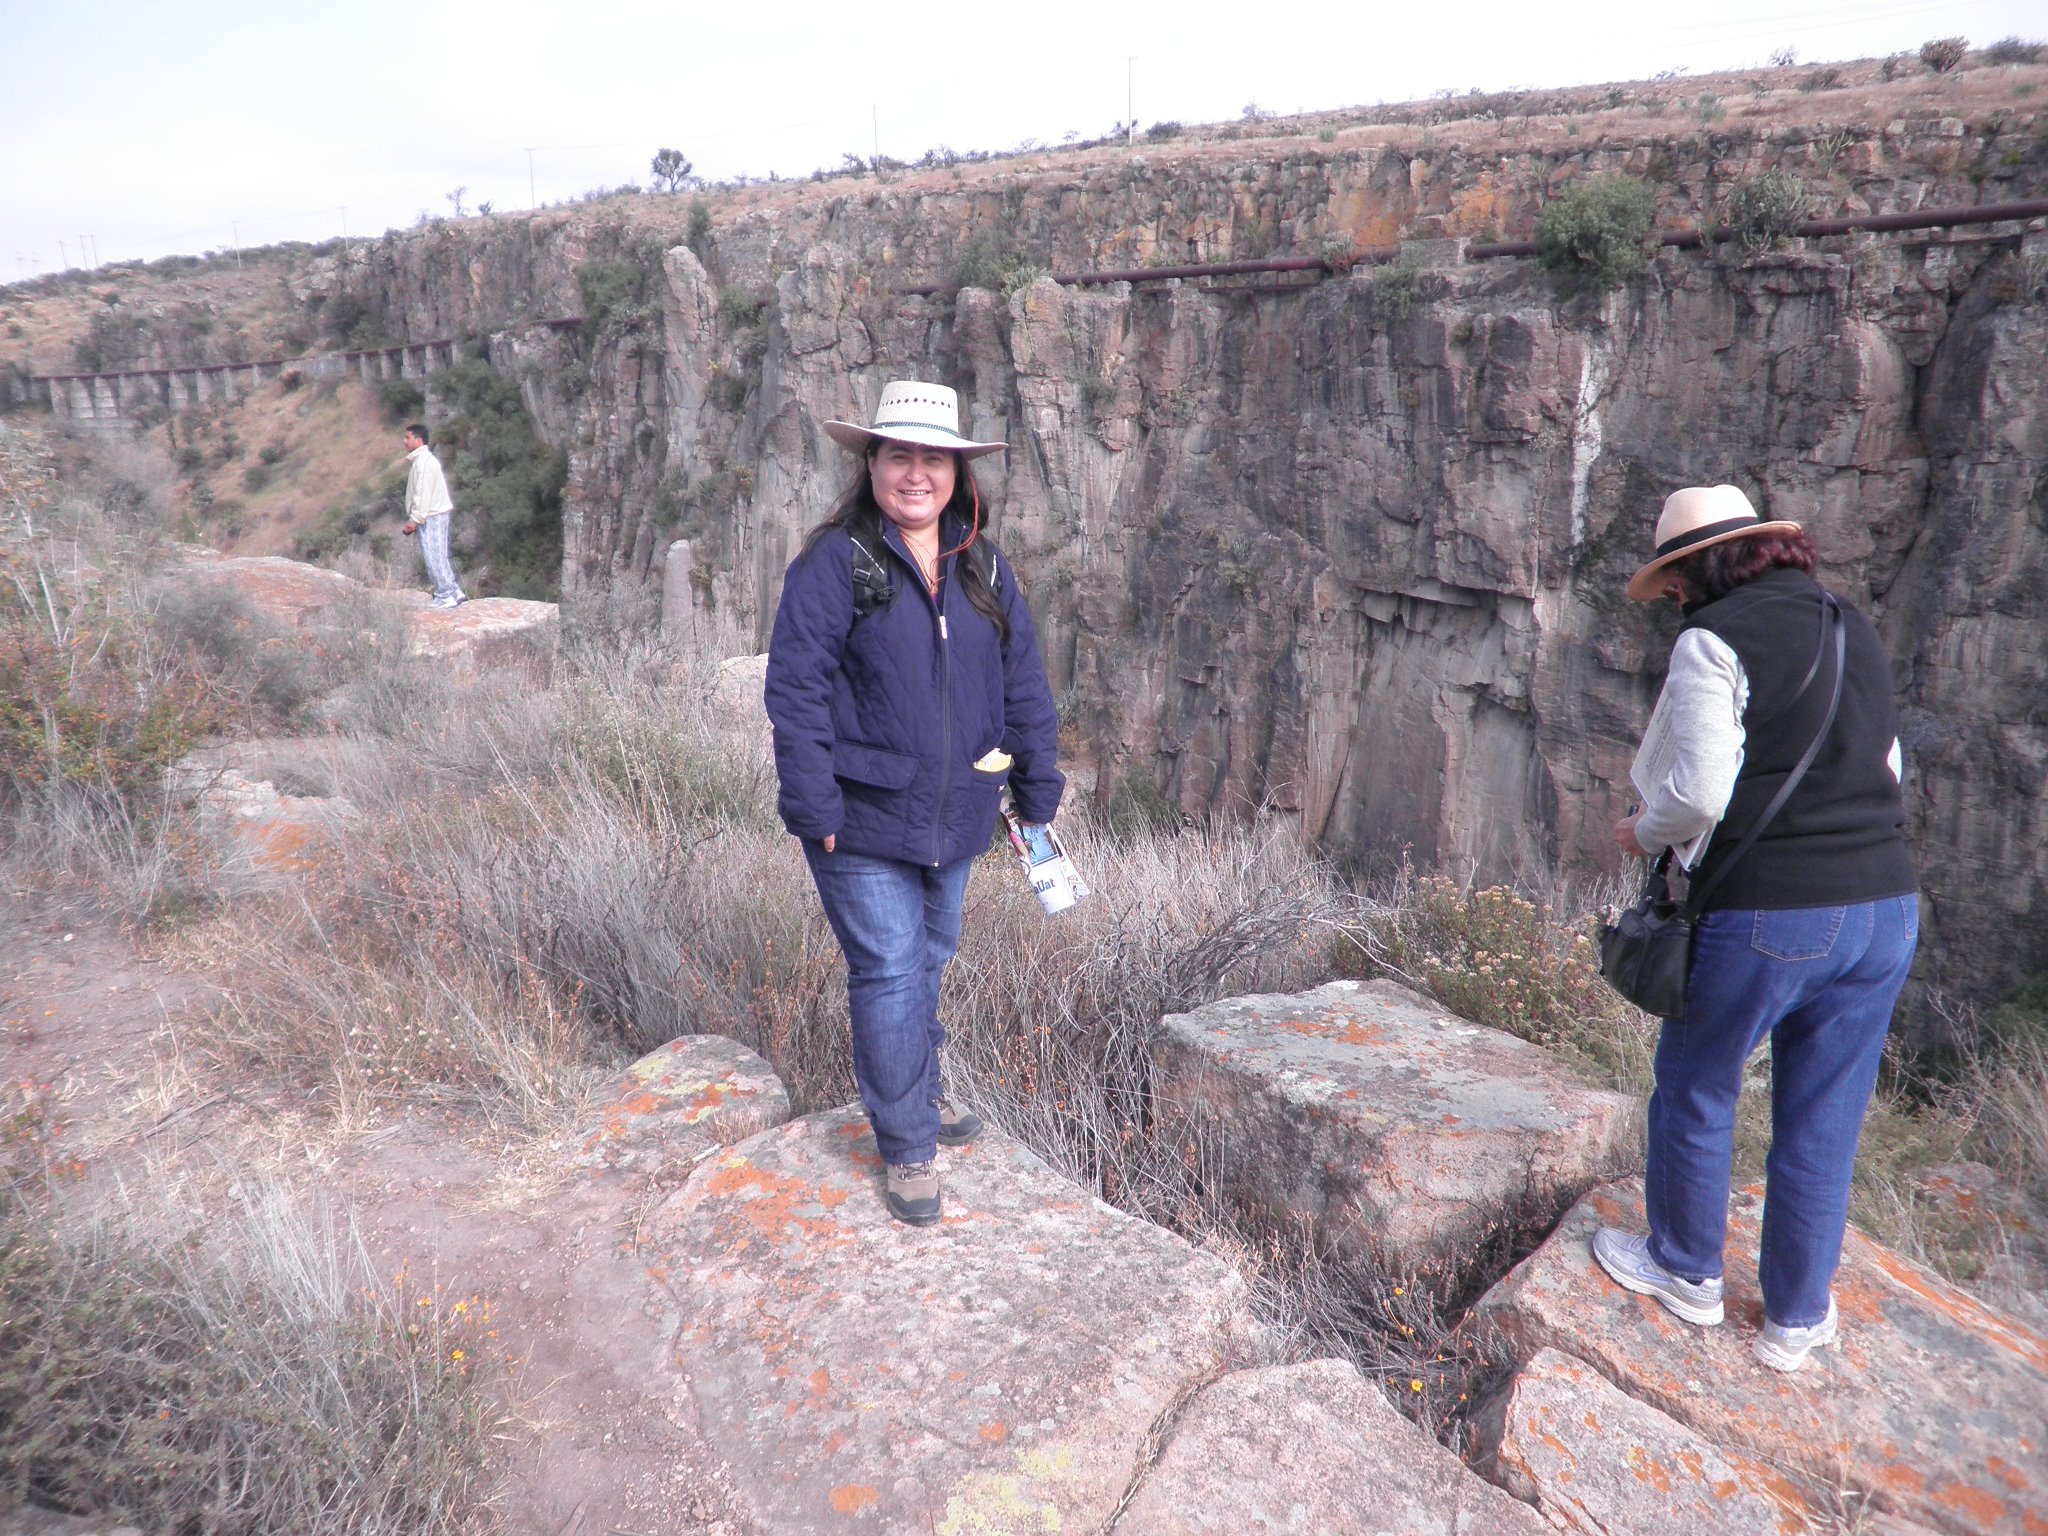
(929, 570)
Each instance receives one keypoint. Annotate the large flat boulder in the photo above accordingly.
(1931, 1405)
(1310, 1449)
(1385, 1121)
(483, 632)
(1594, 1459)
(285, 591)
(998, 1372)
(677, 1103)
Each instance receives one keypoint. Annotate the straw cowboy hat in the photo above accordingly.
(1694, 519)
(911, 412)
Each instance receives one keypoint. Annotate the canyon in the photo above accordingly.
(1344, 548)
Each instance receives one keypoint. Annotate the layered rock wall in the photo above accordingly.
(1353, 549)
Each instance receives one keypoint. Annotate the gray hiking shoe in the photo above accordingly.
(1629, 1265)
(912, 1192)
(1786, 1349)
(957, 1126)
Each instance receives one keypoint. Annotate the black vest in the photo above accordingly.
(1840, 838)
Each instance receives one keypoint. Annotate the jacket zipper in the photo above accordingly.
(945, 725)
(945, 694)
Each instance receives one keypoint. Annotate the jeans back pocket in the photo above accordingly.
(1796, 933)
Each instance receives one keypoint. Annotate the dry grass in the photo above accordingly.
(245, 1375)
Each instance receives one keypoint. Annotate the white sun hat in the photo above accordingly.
(911, 412)
(1694, 519)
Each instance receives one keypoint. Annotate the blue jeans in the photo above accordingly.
(897, 924)
(1821, 983)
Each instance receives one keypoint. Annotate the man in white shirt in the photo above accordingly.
(427, 510)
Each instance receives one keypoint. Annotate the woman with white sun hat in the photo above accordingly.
(906, 689)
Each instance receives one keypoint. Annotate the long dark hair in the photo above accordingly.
(859, 513)
(1719, 569)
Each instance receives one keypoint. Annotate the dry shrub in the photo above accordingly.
(1942, 54)
(249, 1376)
(1501, 958)
(568, 877)
(354, 1016)
(1052, 1018)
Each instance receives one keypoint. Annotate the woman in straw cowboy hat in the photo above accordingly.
(1806, 935)
(906, 688)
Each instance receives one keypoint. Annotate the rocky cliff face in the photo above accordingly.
(1351, 549)
(1355, 551)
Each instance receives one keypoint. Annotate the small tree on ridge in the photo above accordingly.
(671, 168)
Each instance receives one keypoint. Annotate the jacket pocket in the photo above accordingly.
(1796, 933)
(877, 767)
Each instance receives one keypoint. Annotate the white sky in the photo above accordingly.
(148, 127)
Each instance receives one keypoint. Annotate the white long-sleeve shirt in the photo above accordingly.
(1686, 767)
(426, 488)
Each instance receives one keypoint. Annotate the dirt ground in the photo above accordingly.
(93, 1017)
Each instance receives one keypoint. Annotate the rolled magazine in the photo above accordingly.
(1053, 877)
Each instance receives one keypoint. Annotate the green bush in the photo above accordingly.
(402, 399)
(700, 226)
(615, 296)
(1595, 234)
(737, 308)
(2013, 50)
(85, 698)
(990, 260)
(1764, 210)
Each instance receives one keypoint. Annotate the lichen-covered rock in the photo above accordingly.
(1387, 1122)
(1594, 1459)
(677, 1103)
(258, 835)
(483, 632)
(285, 591)
(1930, 1404)
(1312, 1450)
(998, 1372)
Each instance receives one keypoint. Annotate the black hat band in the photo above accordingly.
(1676, 542)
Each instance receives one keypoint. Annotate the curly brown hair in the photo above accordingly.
(1719, 569)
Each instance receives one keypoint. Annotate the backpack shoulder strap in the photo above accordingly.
(872, 585)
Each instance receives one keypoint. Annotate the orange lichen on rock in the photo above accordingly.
(775, 1203)
(852, 1498)
(1347, 1027)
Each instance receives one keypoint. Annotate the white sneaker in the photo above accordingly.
(1786, 1349)
(445, 602)
(1629, 1265)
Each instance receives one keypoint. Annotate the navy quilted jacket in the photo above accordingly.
(878, 724)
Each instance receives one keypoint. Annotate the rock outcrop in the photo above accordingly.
(1311, 1448)
(484, 631)
(1928, 1406)
(1565, 1439)
(1387, 1124)
(682, 1102)
(1000, 1371)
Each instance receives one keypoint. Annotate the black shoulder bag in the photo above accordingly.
(1646, 951)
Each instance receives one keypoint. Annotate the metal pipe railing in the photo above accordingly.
(1684, 239)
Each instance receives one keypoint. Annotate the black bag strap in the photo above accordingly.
(1696, 898)
(872, 585)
